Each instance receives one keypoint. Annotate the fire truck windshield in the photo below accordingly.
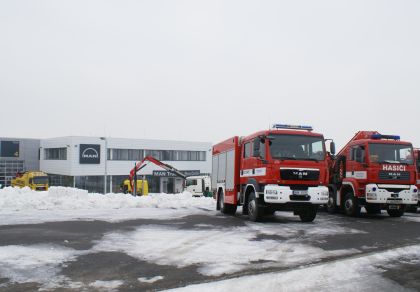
(391, 153)
(296, 147)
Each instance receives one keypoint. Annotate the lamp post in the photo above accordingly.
(105, 164)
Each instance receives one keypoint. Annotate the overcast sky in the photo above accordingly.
(208, 70)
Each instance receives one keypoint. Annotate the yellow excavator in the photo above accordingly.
(35, 180)
(141, 190)
(135, 186)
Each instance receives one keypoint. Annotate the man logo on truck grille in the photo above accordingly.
(90, 153)
(300, 174)
(394, 175)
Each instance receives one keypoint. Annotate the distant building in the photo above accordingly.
(80, 161)
(17, 155)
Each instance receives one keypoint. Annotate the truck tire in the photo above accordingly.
(229, 209)
(308, 214)
(373, 209)
(351, 206)
(396, 212)
(245, 209)
(255, 212)
(245, 206)
(332, 204)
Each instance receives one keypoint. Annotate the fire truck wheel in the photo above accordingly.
(351, 206)
(226, 208)
(396, 212)
(331, 205)
(308, 214)
(373, 209)
(245, 209)
(220, 202)
(255, 213)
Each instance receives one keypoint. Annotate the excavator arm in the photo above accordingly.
(140, 165)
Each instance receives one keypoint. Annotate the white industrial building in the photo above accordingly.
(79, 161)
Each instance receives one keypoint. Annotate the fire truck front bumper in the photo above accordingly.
(283, 194)
(392, 194)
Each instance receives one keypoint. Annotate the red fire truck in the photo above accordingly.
(284, 168)
(376, 172)
(417, 159)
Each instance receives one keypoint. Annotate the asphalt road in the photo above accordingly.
(375, 234)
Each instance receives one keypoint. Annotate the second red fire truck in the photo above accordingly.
(376, 172)
(284, 168)
(417, 161)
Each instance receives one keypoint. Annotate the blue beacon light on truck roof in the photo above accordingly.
(292, 127)
(380, 136)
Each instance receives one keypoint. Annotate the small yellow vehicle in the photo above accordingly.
(141, 190)
(35, 180)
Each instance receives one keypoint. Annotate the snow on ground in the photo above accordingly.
(107, 285)
(322, 227)
(24, 206)
(414, 217)
(150, 280)
(218, 251)
(355, 274)
(36, 263)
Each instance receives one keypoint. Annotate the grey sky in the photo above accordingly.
(207, 70)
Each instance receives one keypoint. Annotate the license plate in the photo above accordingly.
(393, 207)
(391, 202)
(302, 193)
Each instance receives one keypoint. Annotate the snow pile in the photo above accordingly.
(356, 274)
(61, 198)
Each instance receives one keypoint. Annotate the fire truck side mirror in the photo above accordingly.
(332, 148)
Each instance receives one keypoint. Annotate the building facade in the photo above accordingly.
(17, 155)
(96, 163)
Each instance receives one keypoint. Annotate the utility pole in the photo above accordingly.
(105, 164)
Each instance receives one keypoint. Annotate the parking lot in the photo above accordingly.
(148, 254)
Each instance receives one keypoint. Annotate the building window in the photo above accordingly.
(9, 148)
(60, 180)
(125, 154)
(193, 155)
(164, 155)
(157, 154)
(8, 170)
(202, 155)
(167, 155)
(55, 153)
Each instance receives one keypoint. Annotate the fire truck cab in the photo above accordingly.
(376, 172)
(284, 168)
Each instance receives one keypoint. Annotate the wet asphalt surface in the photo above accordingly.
(379, 233)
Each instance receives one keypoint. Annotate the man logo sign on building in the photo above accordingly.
(90, 154)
